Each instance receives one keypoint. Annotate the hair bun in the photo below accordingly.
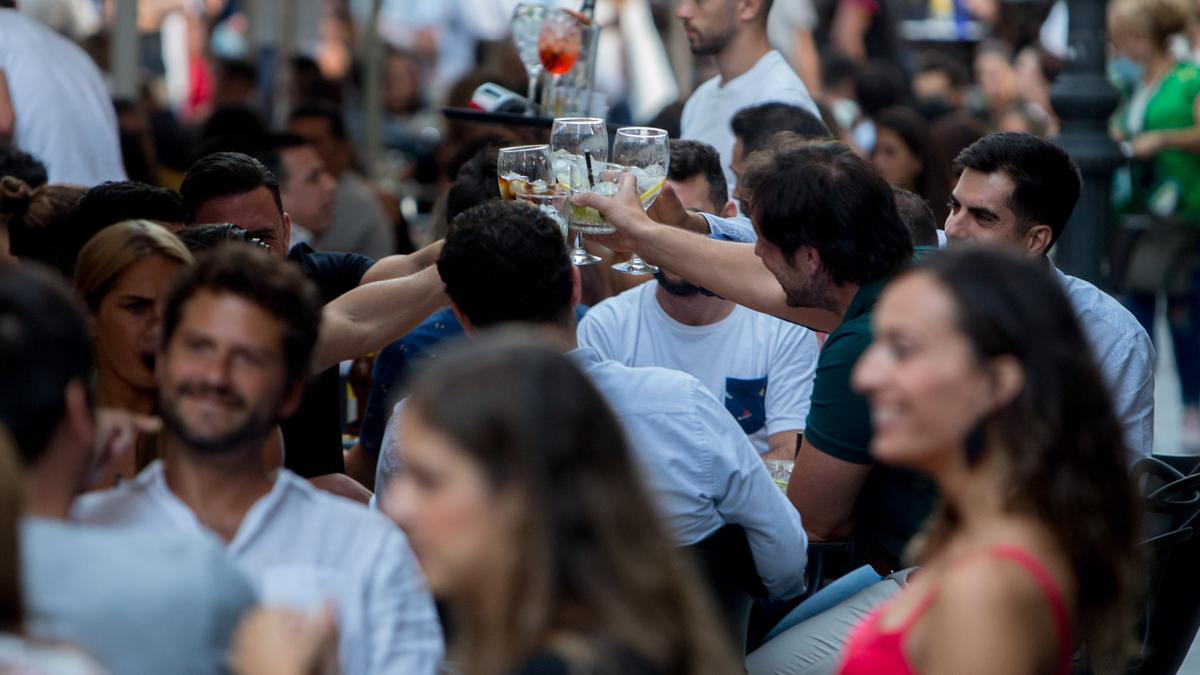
(15, 196)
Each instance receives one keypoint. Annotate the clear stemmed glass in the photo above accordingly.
(526, 174)
(559, 43)
(573, 140)
(645, 152)
(524, 168)
(526, 26)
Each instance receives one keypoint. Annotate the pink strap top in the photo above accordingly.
(873, 651)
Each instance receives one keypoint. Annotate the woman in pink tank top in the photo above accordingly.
(980, 376)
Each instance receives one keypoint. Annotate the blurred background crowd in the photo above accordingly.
(907, 83)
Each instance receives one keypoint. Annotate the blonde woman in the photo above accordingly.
(121, 275)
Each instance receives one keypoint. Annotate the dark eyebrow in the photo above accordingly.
(980, 212)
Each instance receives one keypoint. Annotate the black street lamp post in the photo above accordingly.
(1084, 99)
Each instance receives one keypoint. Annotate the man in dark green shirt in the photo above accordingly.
(829, 239)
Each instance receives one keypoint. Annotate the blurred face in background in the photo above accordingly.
(895, 161)
(997, 79)
(308, 189)
(709, 24)
(458, 524)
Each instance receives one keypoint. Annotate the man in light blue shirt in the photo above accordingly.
(136, 603)
(1018, 190)
(504, 262)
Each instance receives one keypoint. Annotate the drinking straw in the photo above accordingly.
(587, 156)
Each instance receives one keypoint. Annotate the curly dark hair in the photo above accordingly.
(507, 262)
(114, 202)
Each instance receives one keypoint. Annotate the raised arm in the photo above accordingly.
(398, 266)
(369, 317)
(729, 269)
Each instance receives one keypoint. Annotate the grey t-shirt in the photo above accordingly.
(137, 604)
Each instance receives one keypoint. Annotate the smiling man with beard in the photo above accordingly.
(238, 334)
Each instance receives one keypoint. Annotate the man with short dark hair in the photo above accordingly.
(829, 240)
(734, 32)
(754, 127)
(238, 332)
(230, 187)
(139, 604)
(505, 262)
(1019, 190)
(759, 366)
(359, 223)
(112, 202)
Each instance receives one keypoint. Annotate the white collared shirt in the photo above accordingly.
(1125, 355)
(302, 547)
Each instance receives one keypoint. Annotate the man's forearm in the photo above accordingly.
(370, 317)
(398, 266)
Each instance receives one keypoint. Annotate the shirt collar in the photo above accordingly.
(866, 297)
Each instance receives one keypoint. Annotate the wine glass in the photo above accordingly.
(523, 169)
(576, 142)
(526, 26)
(526, 174)
(559, 43)
(645, 152)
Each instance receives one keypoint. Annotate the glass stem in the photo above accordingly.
(534, 76)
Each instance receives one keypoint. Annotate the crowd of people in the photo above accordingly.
(266, 409)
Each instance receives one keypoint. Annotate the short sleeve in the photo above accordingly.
(334, 272)
(839, 421)
(790, 376)
(737, 229)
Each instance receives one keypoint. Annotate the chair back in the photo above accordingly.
(1172, 603)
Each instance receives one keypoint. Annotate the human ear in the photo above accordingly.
(1007, 378)
(1037, 239)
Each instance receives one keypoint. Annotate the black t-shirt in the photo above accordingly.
(312, 437)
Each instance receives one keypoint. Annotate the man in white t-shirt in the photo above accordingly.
(53, 104)
(238, 334)
(761, 367)
(749, 71)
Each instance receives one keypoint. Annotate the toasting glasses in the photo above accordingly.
(526, 174)
(579, 151)
(645, 152)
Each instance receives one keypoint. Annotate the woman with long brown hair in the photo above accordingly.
(979, 376)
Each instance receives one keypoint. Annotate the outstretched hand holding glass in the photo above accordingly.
(645, 152)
